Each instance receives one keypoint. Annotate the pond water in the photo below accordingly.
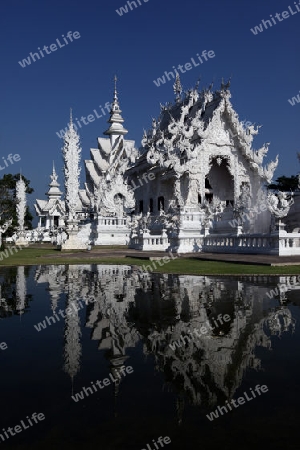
(116, 359)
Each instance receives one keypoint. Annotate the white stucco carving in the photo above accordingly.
(203, 158)
(279, 205)
(71, 154)
(21, 203)
(206, 185)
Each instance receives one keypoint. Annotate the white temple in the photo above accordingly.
(196, 184)
(51, 212)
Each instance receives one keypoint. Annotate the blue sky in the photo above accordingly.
(139, 47)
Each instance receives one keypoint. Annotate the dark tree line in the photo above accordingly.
(284, 183)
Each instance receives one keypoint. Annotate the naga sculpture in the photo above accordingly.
(279, 205)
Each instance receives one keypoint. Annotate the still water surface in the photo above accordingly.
(112, 323)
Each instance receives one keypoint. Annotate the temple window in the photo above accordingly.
(151, 205)
(207, 184)
(183, 158)
(161, 203)
(209, 197)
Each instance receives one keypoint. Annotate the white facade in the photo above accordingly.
(207, 192)
(51, 212)
(111, 197)
(196, 184)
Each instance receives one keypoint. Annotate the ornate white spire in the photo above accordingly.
(71, 154)
(116, 128)
(21, 202)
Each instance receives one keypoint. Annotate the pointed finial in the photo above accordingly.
(53, 170)
(177, 87)
(115, 105)
(116, 128)
(198, 83)
(227, 85)
(115, 89)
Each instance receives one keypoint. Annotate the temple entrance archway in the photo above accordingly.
(220, 183)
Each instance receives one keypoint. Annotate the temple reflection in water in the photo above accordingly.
(124, 306)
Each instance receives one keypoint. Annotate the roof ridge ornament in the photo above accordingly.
(225, 87)
(54, 175)
(197, 84)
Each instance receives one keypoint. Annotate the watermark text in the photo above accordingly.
(195, 62)
(241, 401)
(53, 48)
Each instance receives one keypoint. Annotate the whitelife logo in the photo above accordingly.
(241, 401)
(203, 331)
(282, 288)
(124, 9)
(187, 66)
(90, 118)
(53, 48)
(11, 158)
(164, 260)
(161, 441)
(70, 311)
(294, 100)
(106, 382)
(267, 23)
(24, 426)
(146, 177)
(5, 253)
